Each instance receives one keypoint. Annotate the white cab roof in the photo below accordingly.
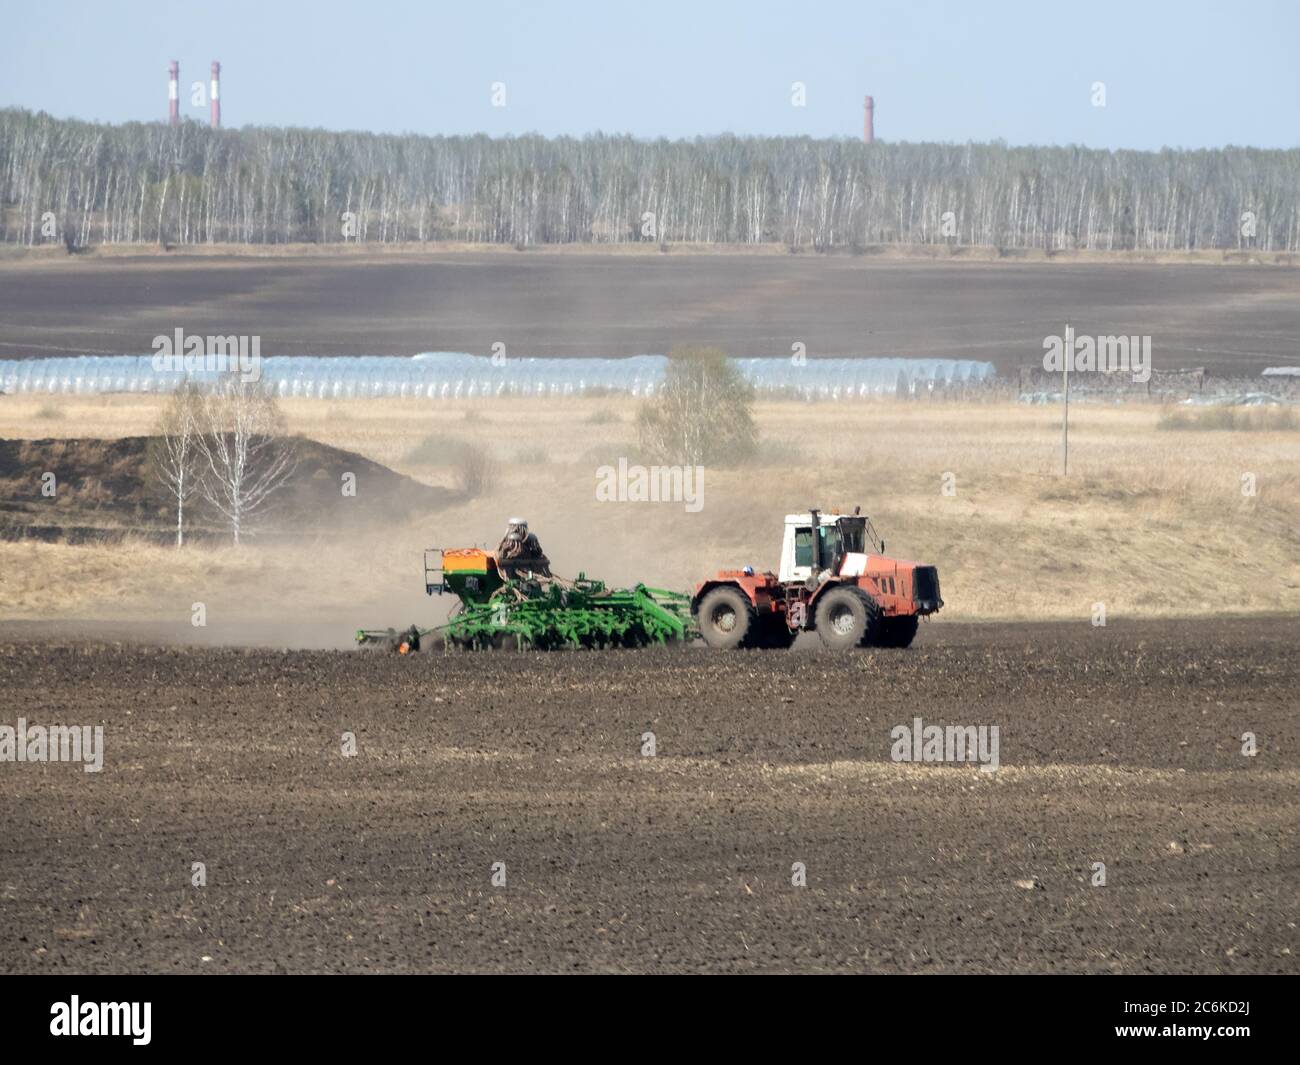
(826, 519)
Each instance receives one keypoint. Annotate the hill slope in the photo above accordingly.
(105, 489)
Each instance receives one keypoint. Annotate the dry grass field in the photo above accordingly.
(1152, 520)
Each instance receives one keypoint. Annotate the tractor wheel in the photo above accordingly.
(898, 632)
(846, 618)
(726, 618)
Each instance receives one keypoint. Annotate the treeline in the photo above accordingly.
(84, 184)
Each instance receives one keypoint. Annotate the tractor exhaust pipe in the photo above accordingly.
(816, 541)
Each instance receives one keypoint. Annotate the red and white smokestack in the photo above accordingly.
(216, 95)
(174, 92)
(868, 120)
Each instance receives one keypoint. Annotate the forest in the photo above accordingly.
(84, 184)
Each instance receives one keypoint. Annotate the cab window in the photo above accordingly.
(830, 544)
(853, 534)
(803, 547)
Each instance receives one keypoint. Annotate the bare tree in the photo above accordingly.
(247, 455)
(174, 451)
(145, 182)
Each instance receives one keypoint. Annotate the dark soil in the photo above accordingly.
(1231, 319)
(1119, 745)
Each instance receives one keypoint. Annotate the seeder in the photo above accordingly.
(533, 612)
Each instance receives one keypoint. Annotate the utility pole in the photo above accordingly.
(1065, 418)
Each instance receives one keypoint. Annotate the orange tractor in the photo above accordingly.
(834, 579)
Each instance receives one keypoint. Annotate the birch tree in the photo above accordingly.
(144, 182)
(247, 455)
(174, 452)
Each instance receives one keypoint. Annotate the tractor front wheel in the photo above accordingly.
(846, 618)
(726, 618)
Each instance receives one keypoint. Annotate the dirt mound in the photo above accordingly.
(90, 490)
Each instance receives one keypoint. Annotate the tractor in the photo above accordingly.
(834, 579)
(830, 583)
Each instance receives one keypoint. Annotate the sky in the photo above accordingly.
(1174, 73)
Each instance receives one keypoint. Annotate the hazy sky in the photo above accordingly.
(1178, 73)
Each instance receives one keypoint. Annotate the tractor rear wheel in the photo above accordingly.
(846, 617)
(727, 618)
(898, 632)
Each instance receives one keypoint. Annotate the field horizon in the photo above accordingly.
(53, 252)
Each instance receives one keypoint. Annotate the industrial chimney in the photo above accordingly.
(868, 120)
(216, 95)
(174, 92)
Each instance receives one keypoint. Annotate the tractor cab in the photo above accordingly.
(815, 543)
(835, 579)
